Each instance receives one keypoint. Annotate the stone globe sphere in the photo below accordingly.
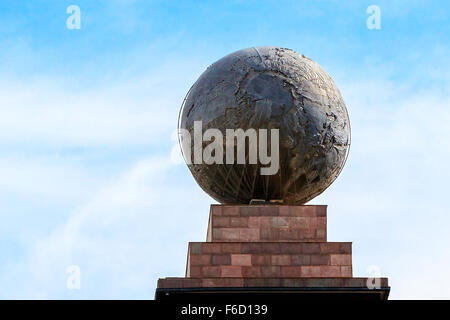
(267, 88)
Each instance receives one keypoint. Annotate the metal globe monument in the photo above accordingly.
(270, 88)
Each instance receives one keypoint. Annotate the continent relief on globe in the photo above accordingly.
(270, 88)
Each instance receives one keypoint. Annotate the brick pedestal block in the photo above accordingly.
(269, 259)
(267, 246)
(267, 223)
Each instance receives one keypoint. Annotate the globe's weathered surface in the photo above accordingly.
(264, 88)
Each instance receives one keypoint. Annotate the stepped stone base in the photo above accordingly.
(268, 250)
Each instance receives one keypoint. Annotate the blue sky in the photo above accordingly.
(87, 122)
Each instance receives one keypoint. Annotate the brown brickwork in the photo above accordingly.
(269, 259)
(267, 223)
(267, 246)
(266, 282)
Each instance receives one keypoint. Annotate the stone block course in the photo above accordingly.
(267, 223)
(267, 282)
(267, 246)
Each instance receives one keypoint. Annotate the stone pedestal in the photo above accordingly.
(269, 251)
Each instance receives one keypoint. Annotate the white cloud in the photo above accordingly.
(130, 233)
(390, 199)
(46, 180)
(139, 110)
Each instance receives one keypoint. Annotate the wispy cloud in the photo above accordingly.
(390, 199)
(45, 112)
(129, 233)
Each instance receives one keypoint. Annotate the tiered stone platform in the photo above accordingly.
(269, 250)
